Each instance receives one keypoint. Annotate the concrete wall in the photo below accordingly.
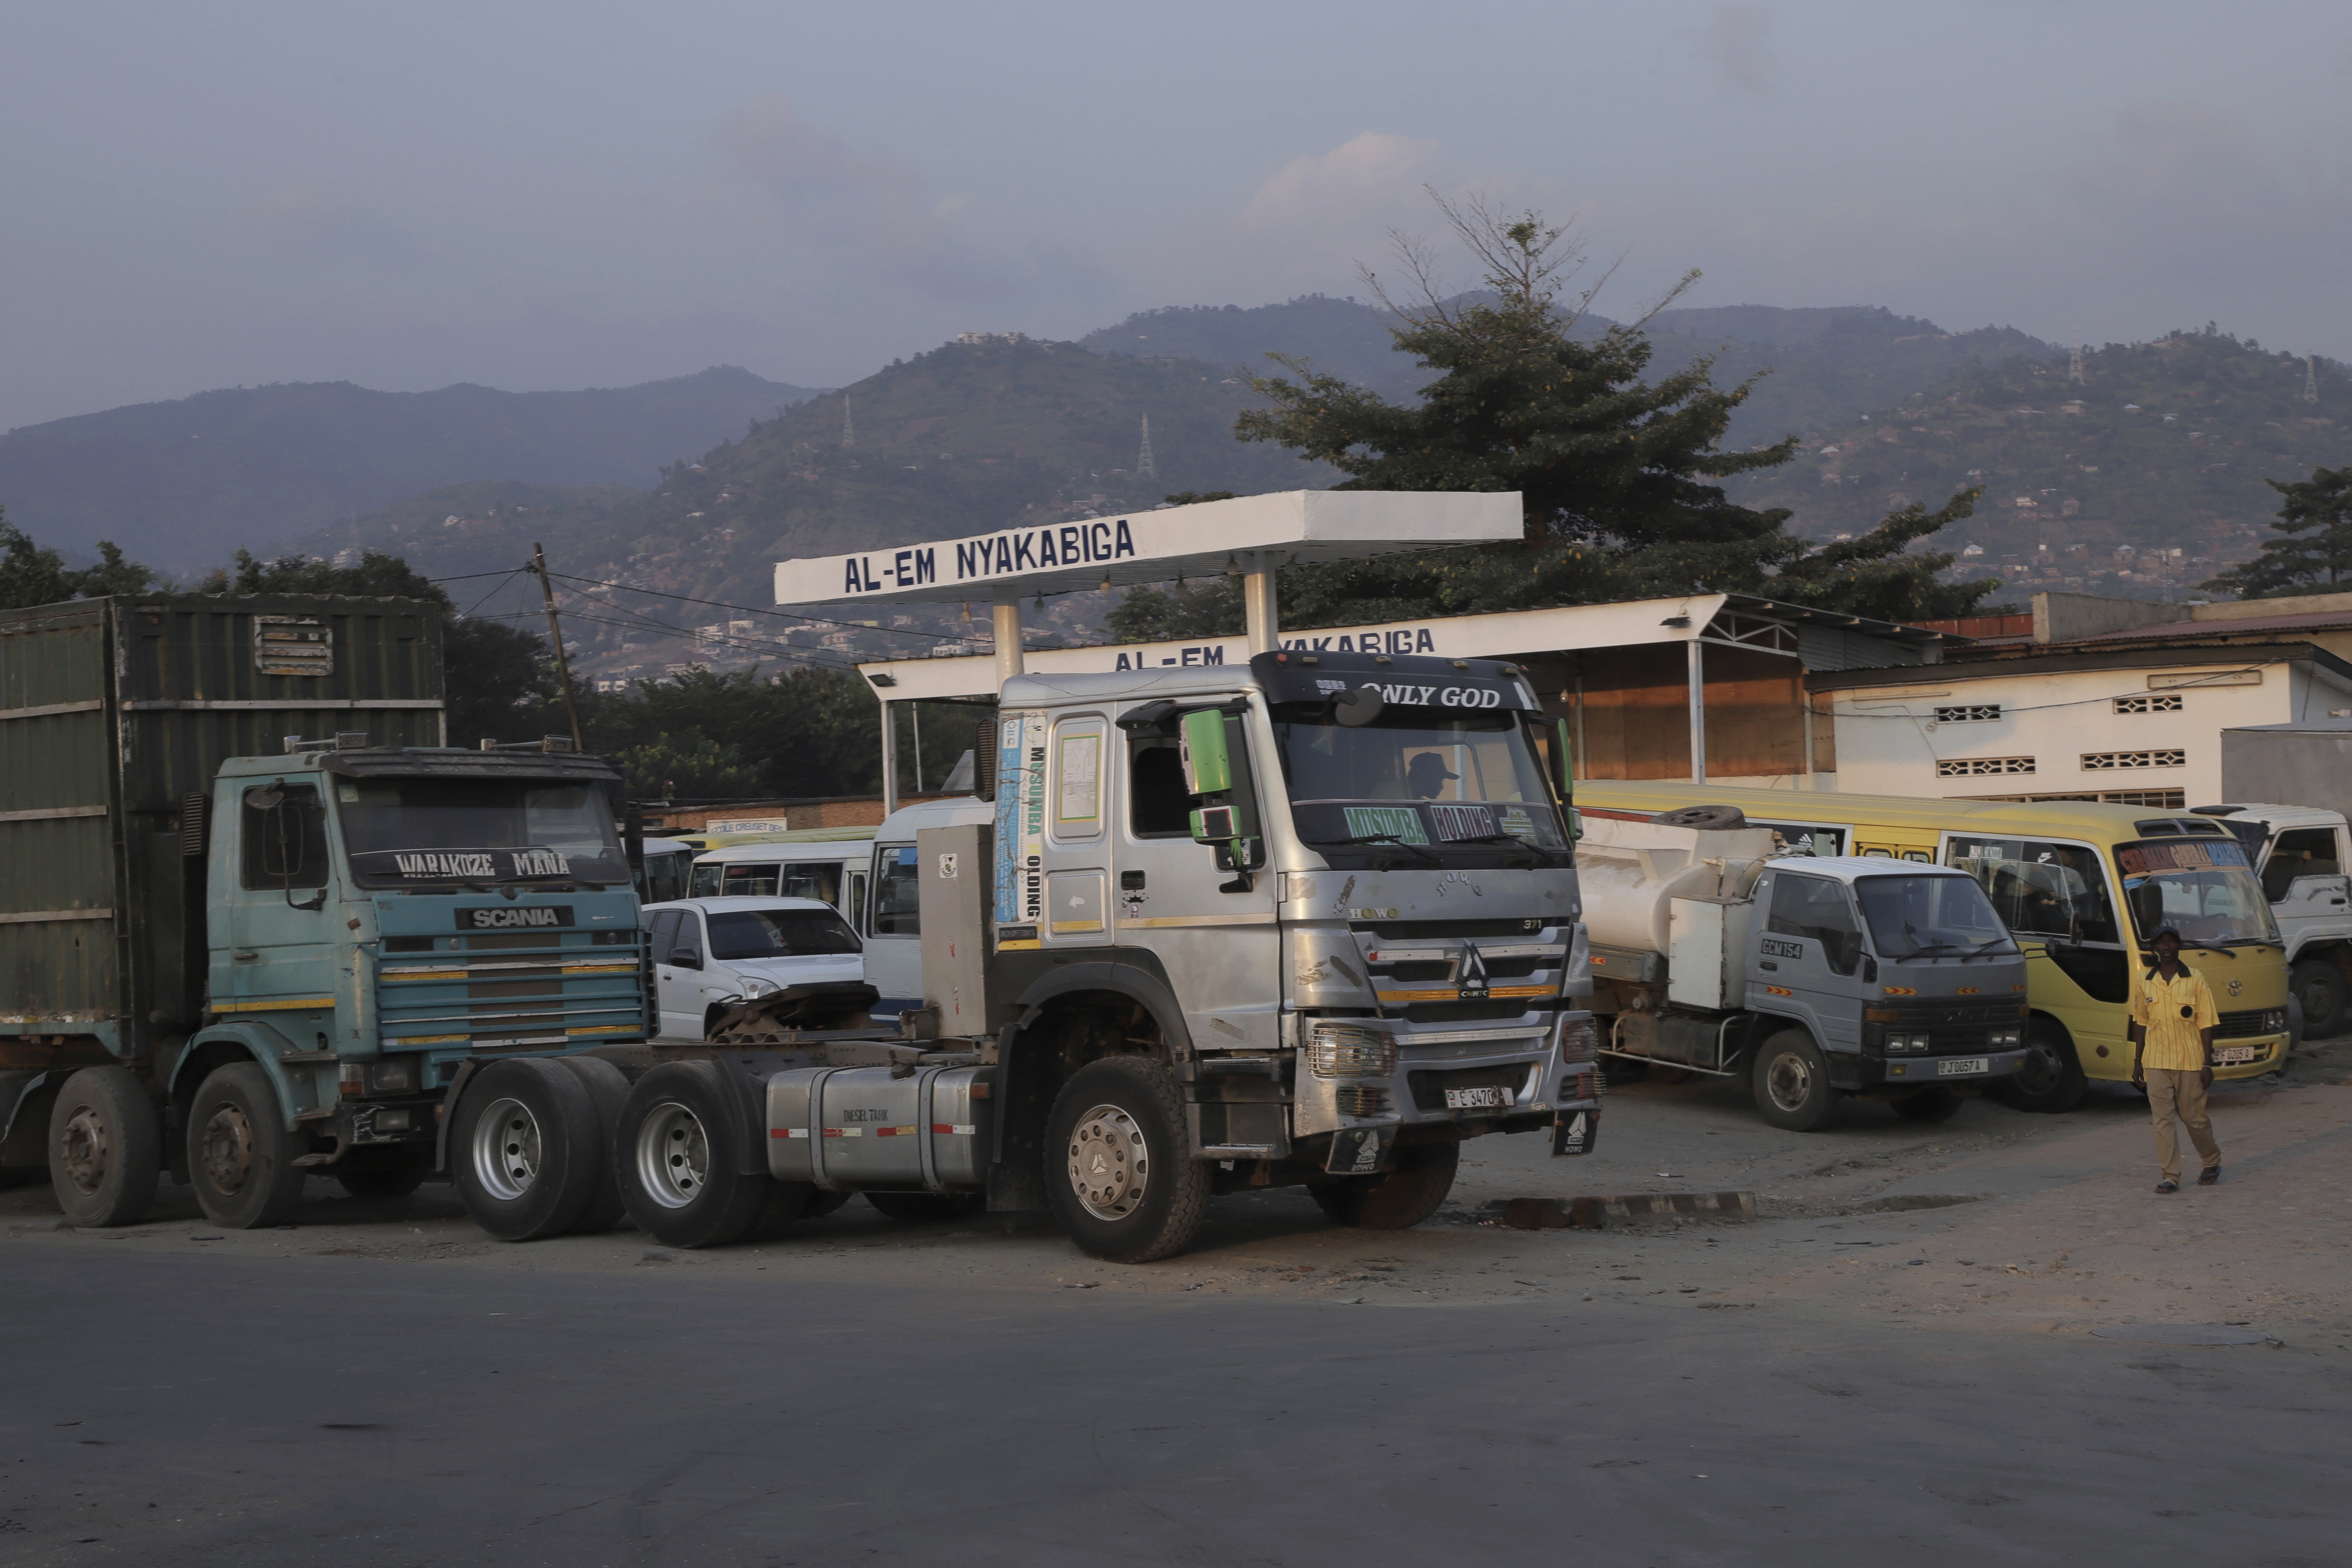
(2063, 617)
(2289, 765)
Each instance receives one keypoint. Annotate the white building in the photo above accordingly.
(2131, 713)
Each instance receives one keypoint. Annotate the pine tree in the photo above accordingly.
(2315, 553)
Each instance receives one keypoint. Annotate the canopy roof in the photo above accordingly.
(1201, 540)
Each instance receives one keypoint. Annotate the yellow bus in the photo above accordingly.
(2083, 886)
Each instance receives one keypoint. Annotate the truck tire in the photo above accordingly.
(1928, 1105)
(924, 1208)
(676, 1151)
(1393, 1200)
(1703, 817)
(2050, 1080)
(822, 1202)
(1790, 1081)
(524, 1150)
(106, 1147)
(2318, 984)
(241, 1153)
(1118, 1166)
(608, 1092)
(787, 1205)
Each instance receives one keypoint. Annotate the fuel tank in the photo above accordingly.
(1631, 873)
(881, 1129)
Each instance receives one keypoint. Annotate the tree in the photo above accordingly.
(498, 681)
(1618, 475)
(689, 766)
(2315, 551)
(814, 731)
(34, 574)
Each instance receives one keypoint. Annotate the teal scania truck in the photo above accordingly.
(259, 922)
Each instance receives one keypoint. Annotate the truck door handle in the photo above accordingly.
(1130, 880)
(245, 955)
(1767, 964)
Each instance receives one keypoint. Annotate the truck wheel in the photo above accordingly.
(1790, 1081)
(524, 1150)
(822, 1202)
(380, 1186)
(2319, 986)
(106, 1147)
(676, 1151)
(922, 1208)
(1118, 1164)
(608, 1092)
(1928, 1105)
(241, 1153)
(1393, 1200)
(2049, 1079)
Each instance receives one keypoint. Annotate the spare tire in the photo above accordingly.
(1703, 817)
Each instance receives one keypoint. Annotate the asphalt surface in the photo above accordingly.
(209, 1408)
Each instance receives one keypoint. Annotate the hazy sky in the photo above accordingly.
(535, 195)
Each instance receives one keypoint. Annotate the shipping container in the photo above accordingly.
(115, 716)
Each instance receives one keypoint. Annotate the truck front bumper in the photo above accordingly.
(1468, 1080)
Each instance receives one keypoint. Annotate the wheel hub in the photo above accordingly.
(673, 1156)
(87, 1150)
(227, 1149)
(1110, 1165)
(506, 1150)
(1789, 1081)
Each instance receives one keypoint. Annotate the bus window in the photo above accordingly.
(897, 908)
(812, 879)
(2039, 888)
(749, 881)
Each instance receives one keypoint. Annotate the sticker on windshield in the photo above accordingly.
(464, 865)
(1401, 822)
(1455, 822)
(2147, 860)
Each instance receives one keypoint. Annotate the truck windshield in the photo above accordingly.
(1414, 775)
(2203, 889)
(1929, 917)
(411, 832)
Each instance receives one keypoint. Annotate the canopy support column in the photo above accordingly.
(1698, 711)
(889, 758)
(1007, 621)
(1258, 600)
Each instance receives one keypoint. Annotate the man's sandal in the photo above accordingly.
(2208, 1176)
(2167, 1186)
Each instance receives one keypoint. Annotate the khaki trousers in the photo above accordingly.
(2176, 1094)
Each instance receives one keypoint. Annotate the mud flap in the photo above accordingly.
(1573, 1133)
(1357, 1150)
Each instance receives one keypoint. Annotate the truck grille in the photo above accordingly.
(1951, 1013)
(510, 990)
(2239, 1025)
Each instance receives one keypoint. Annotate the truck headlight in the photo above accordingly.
(1906, 1043)
(393, 1075)
(2274, 1021)
(1351, 1050)
(2006, 1039)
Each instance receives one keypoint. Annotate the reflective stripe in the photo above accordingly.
(300, 1004)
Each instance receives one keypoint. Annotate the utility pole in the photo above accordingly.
(2075, 361)
(848, 425)
(1144, 467)
(555, 630)
(2311, 378)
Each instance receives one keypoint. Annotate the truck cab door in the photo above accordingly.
(674, 989)
(1218, 946)
(1806, 957)
(2303, 878)
(277, 951)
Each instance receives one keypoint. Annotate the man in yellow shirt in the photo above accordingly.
(2172, 1024)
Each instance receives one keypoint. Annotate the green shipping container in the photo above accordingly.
(115, 714)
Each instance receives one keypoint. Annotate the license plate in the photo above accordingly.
(1477, 1099)
(1964, 1067)
(2224, 1056)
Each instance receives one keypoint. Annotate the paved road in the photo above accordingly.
(211, 1408)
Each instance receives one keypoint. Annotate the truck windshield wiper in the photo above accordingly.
(1378, 838)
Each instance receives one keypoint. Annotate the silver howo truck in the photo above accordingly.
(1310, 922)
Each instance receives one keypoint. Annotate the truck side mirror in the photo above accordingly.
(684, 958)
(1200, 742)
(1216, 825)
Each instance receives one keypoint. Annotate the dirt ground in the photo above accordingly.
(1994, 1220)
